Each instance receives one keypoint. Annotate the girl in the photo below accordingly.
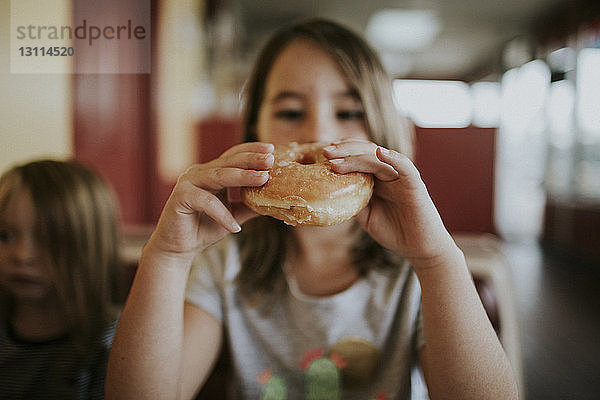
(58, 253)
(308, 312)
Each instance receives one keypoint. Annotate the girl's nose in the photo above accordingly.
(24, 250)
(321, 127)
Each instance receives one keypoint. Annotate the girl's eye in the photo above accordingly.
(289, 114)
(351, 114)
(6, 236)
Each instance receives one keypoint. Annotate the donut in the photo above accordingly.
(303, 190)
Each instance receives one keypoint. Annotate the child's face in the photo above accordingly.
(24, 270)
(308, 99)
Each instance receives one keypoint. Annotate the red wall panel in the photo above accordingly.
(113, 119)
(215, 135)
(457, 165)
(111, 133)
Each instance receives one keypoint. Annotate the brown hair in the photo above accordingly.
(264, 240)
(76, 219)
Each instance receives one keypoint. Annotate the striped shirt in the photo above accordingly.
(51, 369)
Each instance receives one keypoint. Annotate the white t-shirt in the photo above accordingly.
(359, 344)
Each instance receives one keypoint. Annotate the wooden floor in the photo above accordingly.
(559, 306)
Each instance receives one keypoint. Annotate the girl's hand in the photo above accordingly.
(400, 216)
(198, 212)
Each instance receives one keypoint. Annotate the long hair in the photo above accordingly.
(76, 220)
(264, 240)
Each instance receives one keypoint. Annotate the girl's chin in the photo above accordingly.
(30, 292)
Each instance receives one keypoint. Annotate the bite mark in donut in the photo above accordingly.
(303, 190)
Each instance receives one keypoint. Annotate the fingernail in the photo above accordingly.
(336, 160)
(329, 148)
(385, 151)
(236, 227)
(262, 174)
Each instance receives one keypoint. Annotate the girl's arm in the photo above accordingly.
(153, 347)
(462, 357)
(164, 348)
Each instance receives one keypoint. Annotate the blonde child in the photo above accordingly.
(58, 257)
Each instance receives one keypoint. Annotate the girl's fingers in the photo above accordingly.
(366, 164)
(249, 147)
(216, 178)
(401, 164)
(386, 165)
(349, 147)
(245, 160)
(198, 200)
(355, 155)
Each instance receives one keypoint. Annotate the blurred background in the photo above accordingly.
(504, 96)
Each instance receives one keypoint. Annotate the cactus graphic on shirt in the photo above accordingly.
(274, 387)
(322, 377)
(381, 396)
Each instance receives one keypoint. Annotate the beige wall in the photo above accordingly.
(35, 109)
(179, 71)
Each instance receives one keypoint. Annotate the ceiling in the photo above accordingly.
(471, 38)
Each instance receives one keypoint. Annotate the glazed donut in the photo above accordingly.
(303, 190)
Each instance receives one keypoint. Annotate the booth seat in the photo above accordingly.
(493, 280)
